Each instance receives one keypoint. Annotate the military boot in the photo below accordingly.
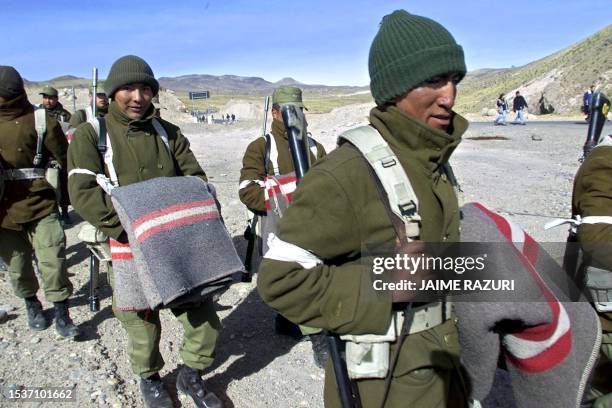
(63, 322)
(36, 319)
(154, 394)
(190, 383)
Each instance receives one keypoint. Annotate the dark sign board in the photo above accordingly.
(199, 95)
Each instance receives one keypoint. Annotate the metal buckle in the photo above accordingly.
(408, 209)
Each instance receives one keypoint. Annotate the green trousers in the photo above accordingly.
(45, 238)
(427, 374)
(201, 328)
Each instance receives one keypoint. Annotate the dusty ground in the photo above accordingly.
(526, 179)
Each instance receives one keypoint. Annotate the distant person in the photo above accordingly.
(29, 219)
(586, 102)
(50, 101)
(83, 115)
(227, 117)
(518, 105)
(233, 118)
(502, 110)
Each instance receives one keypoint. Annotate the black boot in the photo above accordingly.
(190, 383)
(154, 394)
(63, 322)
(36, 319)
(320, 350)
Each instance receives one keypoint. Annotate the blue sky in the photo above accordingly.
(314, 41)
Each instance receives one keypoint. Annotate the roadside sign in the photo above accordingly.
(199, 95)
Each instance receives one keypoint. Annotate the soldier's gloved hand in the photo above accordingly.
(408, 250)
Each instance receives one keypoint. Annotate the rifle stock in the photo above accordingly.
(94, 278)
(600, 105)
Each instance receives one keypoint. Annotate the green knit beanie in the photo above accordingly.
(129, 69)
(11, 83)
(407, 51)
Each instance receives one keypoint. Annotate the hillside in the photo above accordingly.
(562, 77)
(246, 86)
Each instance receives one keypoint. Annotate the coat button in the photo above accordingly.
(19, 149)
(140, 170)
(160, 166)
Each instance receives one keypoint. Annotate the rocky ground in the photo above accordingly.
(527, 175)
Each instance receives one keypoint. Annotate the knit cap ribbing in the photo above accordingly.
(408, 50)
(130, 69)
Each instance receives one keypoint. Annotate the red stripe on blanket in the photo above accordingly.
(547, 359)
(120, 251)
(175, 224)
(171, 209)
(529, 257)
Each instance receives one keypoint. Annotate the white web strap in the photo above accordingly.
(101, 179)
(402, 199)
(40, 123)
(280, 250)
(245, 183)
(274, 156)
(88, 114)
(161, 132)
(578, 220)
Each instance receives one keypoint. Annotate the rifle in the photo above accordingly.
(598, 111)
(250, 233)
(94, 90)
(94, 262)
(599, 108)
(295, 123)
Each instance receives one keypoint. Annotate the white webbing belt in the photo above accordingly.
(578, 220)
(23, 174)
(103, 181)
(280, 250)
(245, 183)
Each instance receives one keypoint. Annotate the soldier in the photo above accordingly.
(50, 102)
(28, 210)
(82, 115)
(139, 154)
(312, 273)
(252, 182)
(592, 197)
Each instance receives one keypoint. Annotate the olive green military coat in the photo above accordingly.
(336, 211)
(592, 196)
(27, 200)
(139, 154)
(253, 166)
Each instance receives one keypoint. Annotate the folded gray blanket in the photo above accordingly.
(549, 346)
(178, 242)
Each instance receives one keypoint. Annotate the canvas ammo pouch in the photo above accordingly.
(599, 285)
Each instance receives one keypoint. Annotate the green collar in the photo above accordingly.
(414, 138)
(117, 114)
(14, 108)
(278, 129)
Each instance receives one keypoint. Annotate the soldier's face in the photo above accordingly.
(431, 102)
(134, 99)
(49, 101)
(101, 101)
